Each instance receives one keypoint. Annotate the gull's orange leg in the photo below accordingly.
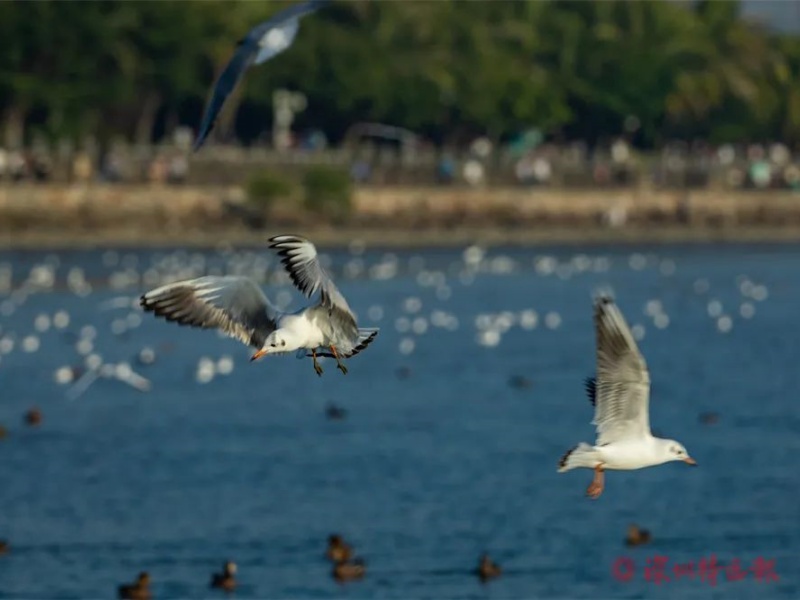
(596, 487)
(317, 368)
(339, 364)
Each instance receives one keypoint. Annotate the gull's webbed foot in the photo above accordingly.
(339, 364)
(596, 487)
(317, 368)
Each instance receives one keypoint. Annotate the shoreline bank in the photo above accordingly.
(400, 238)
(52, 217)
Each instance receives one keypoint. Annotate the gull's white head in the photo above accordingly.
(278, 342)
(675, 451)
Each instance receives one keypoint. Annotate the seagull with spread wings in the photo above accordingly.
(238, 307)
(620, 394)
(261, 43)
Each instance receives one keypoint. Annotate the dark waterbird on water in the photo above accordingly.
(338, 550)
(33, 417)
(225, 580)
(350, 571)
(637, 536)
(335, 413)
(261, 43)
(487, 569)
(139, 590)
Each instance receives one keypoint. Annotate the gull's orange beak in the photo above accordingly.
(258, 355)
(690, 461)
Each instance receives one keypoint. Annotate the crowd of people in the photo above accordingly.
(617, 163)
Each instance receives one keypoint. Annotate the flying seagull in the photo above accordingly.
(261, 43)
(620, 394)
(238, 307)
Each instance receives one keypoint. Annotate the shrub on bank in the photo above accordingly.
(328, 190)
(266, 188)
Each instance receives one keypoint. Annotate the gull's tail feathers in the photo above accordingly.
(582, 455)
(365, 337)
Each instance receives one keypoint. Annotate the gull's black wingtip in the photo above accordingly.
(198, 143)
(603, 296)
(590, 383)
(603, 300)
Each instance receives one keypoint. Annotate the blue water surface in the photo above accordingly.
(439, 458)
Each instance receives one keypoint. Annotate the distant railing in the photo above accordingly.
(674, 167)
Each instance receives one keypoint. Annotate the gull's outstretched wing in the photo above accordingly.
(622, 386)
(299, 257)
(261, 43)
(234, 305)
(242, 59)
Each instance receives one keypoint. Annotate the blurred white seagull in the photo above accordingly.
(238, 307)
(620, 394)
(259, 45)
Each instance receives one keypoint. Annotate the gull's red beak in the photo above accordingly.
(258, 355)
(690, 461)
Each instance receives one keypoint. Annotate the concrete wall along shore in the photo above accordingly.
(164, 207)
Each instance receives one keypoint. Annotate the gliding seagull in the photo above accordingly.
(259, 45)
(620, 393)
(238, 307)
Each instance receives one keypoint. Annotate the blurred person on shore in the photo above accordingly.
(82, 168)
(791, 175)
(474, 172)
(17, 166)
(157, 170)
(40, 166)
(524, 170)
(111, 168)
(361, 171)
(178, 170)
(621, 161)
(446, 170)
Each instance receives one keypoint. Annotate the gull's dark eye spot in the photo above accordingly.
(283, 343)
(273, 345)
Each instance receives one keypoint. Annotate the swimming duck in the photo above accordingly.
(226, 579)
(140, 590)
(637, 536)
(349, 571)
(335, 413)
(338, 550)
(520, 382)
(487, 569)
(708, 418)
(33, 417)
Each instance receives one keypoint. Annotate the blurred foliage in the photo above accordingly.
(447, 69)
(266, 188)
(328, 190)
